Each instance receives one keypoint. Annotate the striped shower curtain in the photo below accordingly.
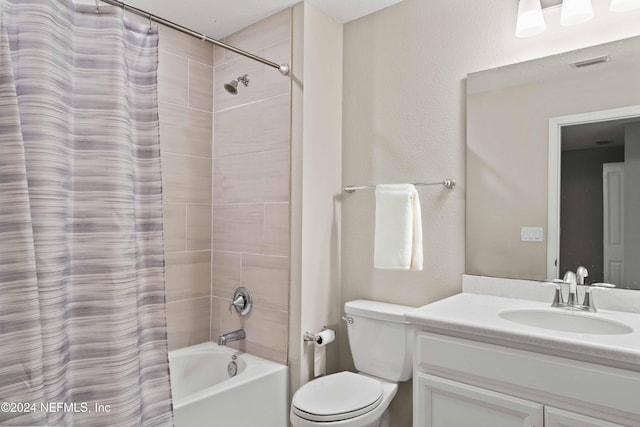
(82, 301)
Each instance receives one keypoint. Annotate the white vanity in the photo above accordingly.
(485, 360)
(488, 361)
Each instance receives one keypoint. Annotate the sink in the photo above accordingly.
(566, 322)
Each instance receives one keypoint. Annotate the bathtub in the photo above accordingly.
(205, 395)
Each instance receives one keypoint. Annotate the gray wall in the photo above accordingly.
(632, 205)
(581, 207)
(251, 180)
(185, 95)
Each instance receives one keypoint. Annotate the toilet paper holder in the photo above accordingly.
(317, 338)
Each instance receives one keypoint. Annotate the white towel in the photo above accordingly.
(398, 234)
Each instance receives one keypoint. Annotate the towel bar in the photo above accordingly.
(448, 183)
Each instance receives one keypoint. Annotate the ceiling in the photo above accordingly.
(591, 135)
(218, 18)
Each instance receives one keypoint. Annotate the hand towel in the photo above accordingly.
(398, 232)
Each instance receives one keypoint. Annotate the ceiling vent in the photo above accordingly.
(590, 62)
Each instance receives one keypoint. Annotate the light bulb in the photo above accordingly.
(624, 5)
(575, 12)
(530, 20)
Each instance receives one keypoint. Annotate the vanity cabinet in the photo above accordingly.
(460, 382)
(554, 417)
(444, 403)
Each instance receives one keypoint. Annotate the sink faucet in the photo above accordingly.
(573, 279)
(581, 273)
(570, 278)
(236, 335)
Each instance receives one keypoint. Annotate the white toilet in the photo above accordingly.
(382, 347)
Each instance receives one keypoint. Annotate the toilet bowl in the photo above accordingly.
(342, 399)
(381, 344)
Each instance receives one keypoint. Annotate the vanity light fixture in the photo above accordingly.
(624, 5)
(575, 12)
(530, 20)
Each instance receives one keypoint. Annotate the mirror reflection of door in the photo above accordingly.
(593, 211)
(613, 221)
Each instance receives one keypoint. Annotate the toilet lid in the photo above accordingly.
(337, 397)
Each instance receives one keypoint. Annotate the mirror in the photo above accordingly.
(520, 118)
(591, 157)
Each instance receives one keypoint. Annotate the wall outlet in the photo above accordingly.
(531, 234)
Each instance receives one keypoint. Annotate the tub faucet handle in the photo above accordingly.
(237, 302)
(241, 301)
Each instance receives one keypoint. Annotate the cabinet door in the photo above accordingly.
(554, 417)
(445, 403)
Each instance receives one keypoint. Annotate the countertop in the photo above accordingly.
(474, 316)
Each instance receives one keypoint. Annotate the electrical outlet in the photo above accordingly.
(531, 234)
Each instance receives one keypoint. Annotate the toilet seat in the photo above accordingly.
(337, 397)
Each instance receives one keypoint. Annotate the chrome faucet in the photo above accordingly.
(573, 279)
(581, 273)
(570, 278)
(236, 335)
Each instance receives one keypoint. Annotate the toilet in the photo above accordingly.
(381, 343)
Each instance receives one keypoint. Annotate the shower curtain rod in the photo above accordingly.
(283, 68)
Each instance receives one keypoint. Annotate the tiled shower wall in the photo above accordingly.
(251, 152)
(251, 192)
(185, 94)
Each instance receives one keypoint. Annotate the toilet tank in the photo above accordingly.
(380, 339)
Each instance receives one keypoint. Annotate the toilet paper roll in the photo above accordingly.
(325, 337)
(319, 361)
(320, 351)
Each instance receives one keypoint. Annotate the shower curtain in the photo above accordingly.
(82, 301)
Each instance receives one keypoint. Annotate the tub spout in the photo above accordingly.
(236, 335)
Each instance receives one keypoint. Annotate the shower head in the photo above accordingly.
(232, 86)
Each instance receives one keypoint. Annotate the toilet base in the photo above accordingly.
(384, 421)
(381, 422)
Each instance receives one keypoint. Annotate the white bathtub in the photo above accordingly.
(205, 395)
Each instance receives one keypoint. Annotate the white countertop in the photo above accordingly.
(475, 317)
